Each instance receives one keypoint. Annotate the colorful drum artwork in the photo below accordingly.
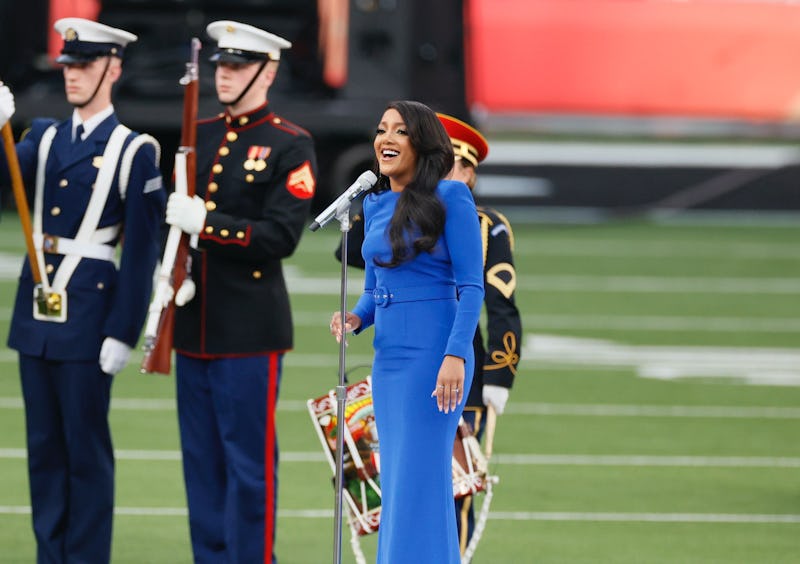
(361, 461)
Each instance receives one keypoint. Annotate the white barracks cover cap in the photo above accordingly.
(87, 40)
(242, 43)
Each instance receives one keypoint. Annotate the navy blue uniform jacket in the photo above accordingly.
(102, 301)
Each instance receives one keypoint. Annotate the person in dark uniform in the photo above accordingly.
(500, 350)
(255, 180)
(94, 180)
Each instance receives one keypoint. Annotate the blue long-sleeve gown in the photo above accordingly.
(422, 310)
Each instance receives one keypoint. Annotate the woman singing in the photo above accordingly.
(423, 291)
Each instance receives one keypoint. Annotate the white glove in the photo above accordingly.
(496, 396)
(7, 106)
(185, 213)
(114, 355)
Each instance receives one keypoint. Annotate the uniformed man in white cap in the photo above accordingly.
(94, 180)
(255, 180)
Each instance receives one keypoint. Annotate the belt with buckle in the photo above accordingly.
(384, 296)
(52, 244)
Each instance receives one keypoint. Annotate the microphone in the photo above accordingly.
(363, 183)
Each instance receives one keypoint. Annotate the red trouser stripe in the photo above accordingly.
(269, 460)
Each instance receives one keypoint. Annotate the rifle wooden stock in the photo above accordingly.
(158, 353)
(20, 199)
(158, 357)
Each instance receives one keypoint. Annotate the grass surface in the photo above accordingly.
(631, 436)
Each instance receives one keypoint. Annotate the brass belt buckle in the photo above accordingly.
(49, 306)
(50, 244)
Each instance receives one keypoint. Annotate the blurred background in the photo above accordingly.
(646, 153)
(593, 107)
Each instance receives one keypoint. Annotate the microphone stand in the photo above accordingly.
(343, 216)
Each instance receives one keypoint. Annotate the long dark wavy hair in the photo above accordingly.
(418, 218)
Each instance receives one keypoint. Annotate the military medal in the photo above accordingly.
(257, 158)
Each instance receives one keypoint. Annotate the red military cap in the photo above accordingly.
(468, 143)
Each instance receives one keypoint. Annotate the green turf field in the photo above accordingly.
(655, 417)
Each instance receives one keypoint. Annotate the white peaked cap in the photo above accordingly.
(234, 36)
(86, 40)
(93, 32)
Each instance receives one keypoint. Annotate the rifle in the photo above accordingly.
(175, 264)
(21, 201)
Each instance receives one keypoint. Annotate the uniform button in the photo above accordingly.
(231, 136)
(244, 120)
(224, 151)
(227, 118)
(276, 120)
(249, 178)
(256, 274)
(49, 269)
(55, 211)
(240, 234)
(213, 187)
(100, 285)
(63, 183)
(211, 206)
(209, 229)
(216, 169)
(224, 232)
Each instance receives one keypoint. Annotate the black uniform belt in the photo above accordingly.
(384, 296)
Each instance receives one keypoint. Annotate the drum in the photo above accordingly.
(470, 466)
(361, 490)
(361, 461)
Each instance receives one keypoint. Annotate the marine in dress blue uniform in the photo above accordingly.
(255, 179)
(69, 352)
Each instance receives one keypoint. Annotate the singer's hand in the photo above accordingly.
(351, 323)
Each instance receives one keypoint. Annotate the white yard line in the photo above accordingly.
(302, 285)
(753, 365)
(664, 323)
(609, 248)
(532, 244)
(649, 323)
(638, 460)
(644, 517)
(653, 323)
(677, 411)
(646, 461)
(493, 515)
(660, 284)
(520, 408)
